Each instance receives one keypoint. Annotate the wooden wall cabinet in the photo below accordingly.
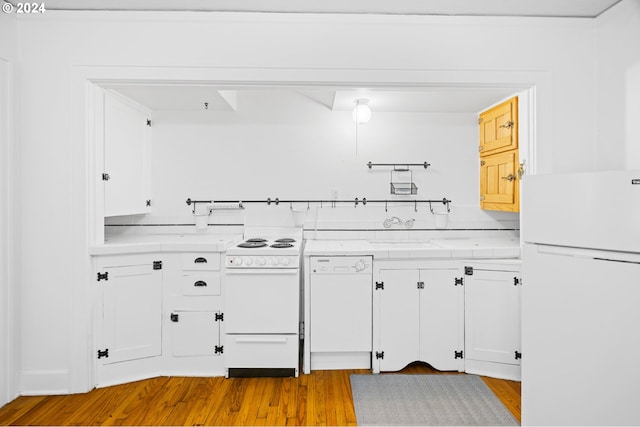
(499, 182)
(499, 157)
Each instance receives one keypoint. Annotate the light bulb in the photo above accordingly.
(361, 112)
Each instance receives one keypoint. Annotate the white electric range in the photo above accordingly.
(266, 248)
(262, 297)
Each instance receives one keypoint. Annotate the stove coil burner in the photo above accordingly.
(282, 245)
(286, 240)
(257, 240)
(249, 244)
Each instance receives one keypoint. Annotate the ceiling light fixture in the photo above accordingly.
(361, 112)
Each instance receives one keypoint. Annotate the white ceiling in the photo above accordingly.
(423, 100)
(561, 8)
(158, 97)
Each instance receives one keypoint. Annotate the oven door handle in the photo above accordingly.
(263, 339)
(283, 271)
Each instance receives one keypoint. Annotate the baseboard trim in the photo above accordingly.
(41, 382)
(491, 369)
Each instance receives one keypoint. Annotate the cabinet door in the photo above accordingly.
(499, 183)
(195, 333)
(125, 156)
(441, 321)
(132, 306)
(499, 128)
(492, 316)
(399, 319)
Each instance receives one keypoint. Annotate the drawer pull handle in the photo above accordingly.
(200, 260)
(200, 283)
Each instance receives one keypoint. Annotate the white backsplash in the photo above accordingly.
(339, 222)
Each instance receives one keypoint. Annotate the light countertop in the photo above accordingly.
(381, 249)
(141, 243)
(437, 248)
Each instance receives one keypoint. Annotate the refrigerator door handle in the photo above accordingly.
(589, 253)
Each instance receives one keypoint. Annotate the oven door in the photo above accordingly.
(262, 301)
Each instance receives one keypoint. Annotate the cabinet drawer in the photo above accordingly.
(208, 261)
(261, 351)
(200, 284)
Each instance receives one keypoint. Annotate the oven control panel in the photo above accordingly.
(262, 261)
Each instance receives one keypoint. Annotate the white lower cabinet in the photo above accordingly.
(128, 325)
(196, 333)
(158, 314)
(194, 315)
(418, 315)
(492, 319)
(131, 308)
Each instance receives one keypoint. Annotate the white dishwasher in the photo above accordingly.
(340, 312)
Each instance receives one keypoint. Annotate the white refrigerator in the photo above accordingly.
(581, 299)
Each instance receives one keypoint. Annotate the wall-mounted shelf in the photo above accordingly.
(402, 182)
(403, 188)
(401, 177)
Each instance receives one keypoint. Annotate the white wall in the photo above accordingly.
(279, 143)
(555, 55)
(8, 347)
(618, 84)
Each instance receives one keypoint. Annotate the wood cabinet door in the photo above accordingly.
(492, 316)
(499, 128)
(399, 320)
(441, 319)
(499, 182)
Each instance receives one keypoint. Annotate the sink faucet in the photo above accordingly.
(394, 220)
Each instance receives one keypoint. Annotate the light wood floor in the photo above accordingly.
(322, 398)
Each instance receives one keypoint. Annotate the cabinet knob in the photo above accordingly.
(510, 177)
(507, 125)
